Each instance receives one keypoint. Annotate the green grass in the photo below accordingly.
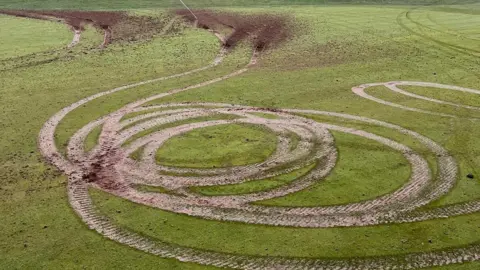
(218, 146)
(92, 138)
(338, 47)
(30, 37)
(446, 95)
(367, 170)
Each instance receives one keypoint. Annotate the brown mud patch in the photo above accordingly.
(100, 170)
(263, 30)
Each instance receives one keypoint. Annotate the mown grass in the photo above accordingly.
(340, 47)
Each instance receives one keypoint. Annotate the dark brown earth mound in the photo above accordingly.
(264, 30)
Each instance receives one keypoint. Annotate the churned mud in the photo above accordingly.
(263, 30)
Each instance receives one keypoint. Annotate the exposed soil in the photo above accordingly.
(263, 30)
(132, 28)
(100, 170)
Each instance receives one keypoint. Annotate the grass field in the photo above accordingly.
(335, 47)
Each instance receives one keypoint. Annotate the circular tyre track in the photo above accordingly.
(394, 86)
(109, 167)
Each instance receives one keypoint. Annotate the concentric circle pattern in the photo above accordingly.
(110, 166)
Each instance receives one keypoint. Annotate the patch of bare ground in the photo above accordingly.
(134, 28)
(262, 30)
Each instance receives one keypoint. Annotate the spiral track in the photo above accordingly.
(109, 167)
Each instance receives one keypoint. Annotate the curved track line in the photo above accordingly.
(79, 194)
(108, 168)
(49, 149)
(360, 91)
